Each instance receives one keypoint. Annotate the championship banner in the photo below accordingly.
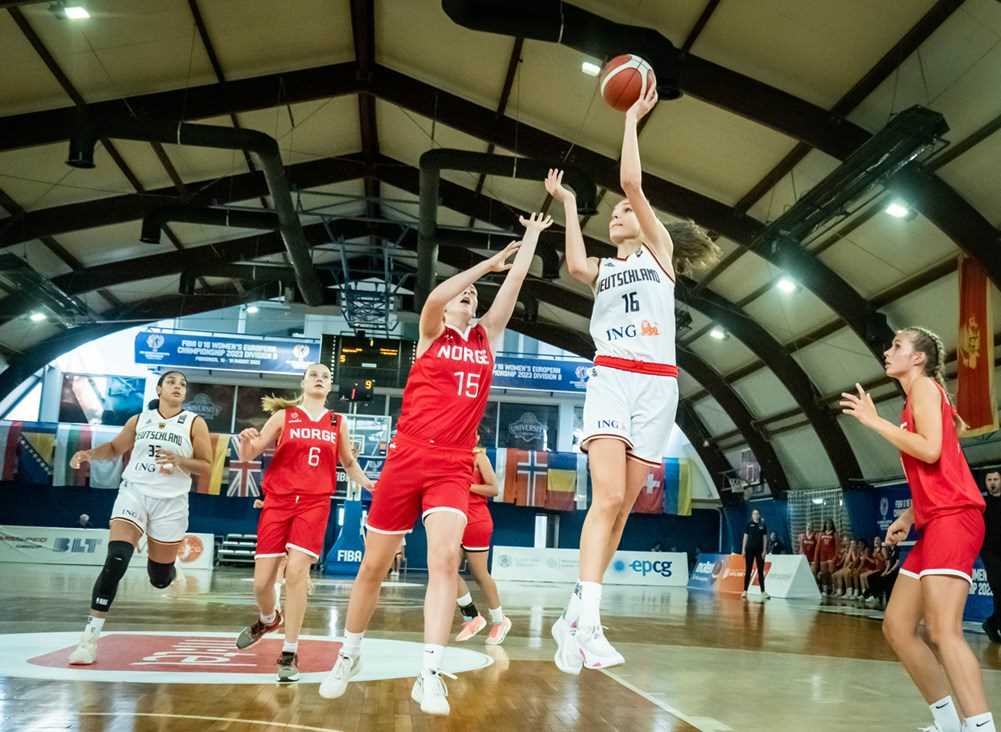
(975, 351)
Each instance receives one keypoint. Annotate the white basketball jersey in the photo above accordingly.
(633, 314)
(153, 430)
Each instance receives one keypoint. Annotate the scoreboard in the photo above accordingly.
(360, 363)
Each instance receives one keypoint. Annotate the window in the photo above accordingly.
(27, 407)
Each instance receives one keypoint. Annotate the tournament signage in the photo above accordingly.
(227, 353)
(786, 576)
(531, 564)
(541, 374)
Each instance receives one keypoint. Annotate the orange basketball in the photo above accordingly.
(624, 79)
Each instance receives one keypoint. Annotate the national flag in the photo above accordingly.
(562, 481)
(975, 400)
(71, 438)
(677, 486)
(211, 483)
(531, 470)
(10, 435)
(35, 452)
(244, 475)
(498, 459)
(651, 495)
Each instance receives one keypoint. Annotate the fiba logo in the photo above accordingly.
(884, 506)
(154, 341)
(618, 566)
(504, 560)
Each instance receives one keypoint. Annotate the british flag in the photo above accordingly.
(245, 477)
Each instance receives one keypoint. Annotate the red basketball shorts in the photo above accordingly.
(417, 480)
(292, 522)
(479, 530)
(948, 545)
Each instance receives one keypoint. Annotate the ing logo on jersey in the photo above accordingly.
(649, 329)
(630, 330)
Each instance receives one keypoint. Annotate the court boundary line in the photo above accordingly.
(206, 718)
(718, 726)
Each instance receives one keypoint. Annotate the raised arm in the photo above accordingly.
(348, 460)
(253, 443)
(631, 179)
(925, 443)
(497, 317)
(433, 313)
(119, 445)
(580, 266)
(488, 487)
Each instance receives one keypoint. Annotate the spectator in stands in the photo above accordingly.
(881, 585)
(85, 521)
(775, 545)
(398, 559)
(855, 580)
(875, 566)
(991, 552)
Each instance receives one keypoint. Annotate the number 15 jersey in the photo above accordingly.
(446, 392)
(305, 460)
(633, 314)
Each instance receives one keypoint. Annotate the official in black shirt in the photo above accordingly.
(754, 550)
(991, 552)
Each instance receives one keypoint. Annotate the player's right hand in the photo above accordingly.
(80, 457)
(898, 531)
(249, 434)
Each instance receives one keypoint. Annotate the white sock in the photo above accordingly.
(496, 615)
(433, 655)
(590, 605)
(269, 619)
(352, 643)
(572, 613)
(466, 599)
(980, 723)
(945, 715)
(95, 625)
(290, 647)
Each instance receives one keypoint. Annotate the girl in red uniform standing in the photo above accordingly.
(808, 546)
(476, 545)
(297, 488)
(827, 552)
(947, 510)
(428, 469)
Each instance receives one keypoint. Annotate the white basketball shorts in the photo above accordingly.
(161, 519)
(638, 409)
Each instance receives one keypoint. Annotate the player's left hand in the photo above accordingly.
(536, 222)
(859, 405)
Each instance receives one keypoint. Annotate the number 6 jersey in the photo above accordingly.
(633, 315)
(305, 460)
(446, 392)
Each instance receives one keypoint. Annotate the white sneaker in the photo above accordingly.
(431, 693)
(743, 594)
(595, 649)
(336, 682)
(765, 596)
(567, 658)
(85, 652)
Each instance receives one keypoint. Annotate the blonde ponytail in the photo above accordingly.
(930, 344)
(272, 403)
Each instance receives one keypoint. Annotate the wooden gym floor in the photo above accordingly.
(694, 662)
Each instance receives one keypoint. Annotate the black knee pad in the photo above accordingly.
(119, 555)
(160, 574)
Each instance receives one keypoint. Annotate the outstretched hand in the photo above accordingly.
(499, 262)
(536, 221)
(555, 188)
(642, 106)
(859, 405)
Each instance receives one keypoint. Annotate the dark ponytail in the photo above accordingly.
(155, 403)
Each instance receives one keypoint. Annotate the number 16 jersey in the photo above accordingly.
(446, 392)
(633, 315)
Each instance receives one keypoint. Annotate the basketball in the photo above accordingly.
(624, 79)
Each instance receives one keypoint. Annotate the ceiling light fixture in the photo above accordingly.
(76, 12)
(37, 317)
(786, 286)
(717, 333)
(590, 68)
(253, 310)
(898, 209)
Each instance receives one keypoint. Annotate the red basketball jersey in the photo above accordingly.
(827, 547)
(808, 546)
(477, 480)
(947, 485)
(446, 392)
(305, 461)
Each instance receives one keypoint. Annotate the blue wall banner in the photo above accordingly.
(542, 374)
(228, 353)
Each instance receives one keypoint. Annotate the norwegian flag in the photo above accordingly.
(245, 477)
